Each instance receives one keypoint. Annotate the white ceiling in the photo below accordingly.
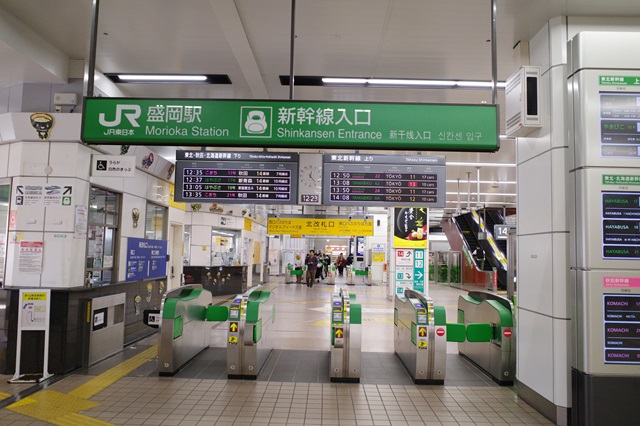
(250, 41)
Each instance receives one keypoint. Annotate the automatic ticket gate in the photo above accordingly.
(249, 341)
(420, 339)
(346, 337)
(491, 340)
(186, 319)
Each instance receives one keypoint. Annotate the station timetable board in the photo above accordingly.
(621, 329)
(236, 177)
(384, 180)
(620, 225)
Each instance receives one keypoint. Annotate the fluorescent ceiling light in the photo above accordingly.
(329, 80)
(407, 82)
(456, 163)
(160, 77)
(169, 78)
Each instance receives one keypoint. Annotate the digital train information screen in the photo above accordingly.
(620, 225)
(621, 329)
(620, 124)
(236, 177)
(384, 180)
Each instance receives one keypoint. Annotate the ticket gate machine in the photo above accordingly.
(420, 339)
(495, 352)
(249, 341)
(186, 320)
(346, 337)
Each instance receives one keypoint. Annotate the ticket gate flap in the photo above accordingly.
(456, 332)
(470, 299)
(439, 315)
(171, 303)
(352, 296)
(356, 313)
(217, 313)
(506, 318)
(259, 296)
(480, 332)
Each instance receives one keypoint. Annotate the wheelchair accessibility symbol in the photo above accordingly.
(256, 122)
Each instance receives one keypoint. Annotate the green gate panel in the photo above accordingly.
(257, 331)
(356, 313)
(413, 333)
(217, 313)
(253, 311)
(479, 332)
(456, 333)
(177, 327)
(439, 315)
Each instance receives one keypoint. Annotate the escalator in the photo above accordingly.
(494, 217)
(469, 225)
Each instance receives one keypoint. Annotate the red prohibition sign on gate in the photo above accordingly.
(507, 332)
(440, 331)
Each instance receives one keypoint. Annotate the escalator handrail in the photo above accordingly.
(495, 254)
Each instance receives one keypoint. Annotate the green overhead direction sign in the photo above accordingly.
(292, 124)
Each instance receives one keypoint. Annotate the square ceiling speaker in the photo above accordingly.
(523, 102)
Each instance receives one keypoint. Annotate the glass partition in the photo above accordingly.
(155, 222)
(101, 236)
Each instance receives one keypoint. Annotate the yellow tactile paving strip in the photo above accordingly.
(63, 409)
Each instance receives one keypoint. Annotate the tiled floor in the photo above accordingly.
(293, 387)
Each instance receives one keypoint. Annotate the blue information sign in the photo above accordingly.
(146, 259)
(418, 270)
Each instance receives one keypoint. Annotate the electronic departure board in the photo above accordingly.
(621, 225)
(619, 129)
(236, 177)
(384, 180)
(622, 328)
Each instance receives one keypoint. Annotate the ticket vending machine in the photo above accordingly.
(604, 175)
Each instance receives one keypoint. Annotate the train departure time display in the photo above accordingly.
(620, 124)
(622, 328)
(384, 180)
(236, 177)
(620, 225)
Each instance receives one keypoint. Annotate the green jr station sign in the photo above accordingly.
(293, 124)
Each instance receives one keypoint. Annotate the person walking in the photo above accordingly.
(479, 254)
(312, 265)
(340, 264)
(298, 267)
(320, 271)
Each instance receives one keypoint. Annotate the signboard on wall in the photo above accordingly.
(292, 124)
(113, 165)
(410, 227)
(410, 267)
(314, 226)
(146, 259)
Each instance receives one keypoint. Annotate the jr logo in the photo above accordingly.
(135, 113)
